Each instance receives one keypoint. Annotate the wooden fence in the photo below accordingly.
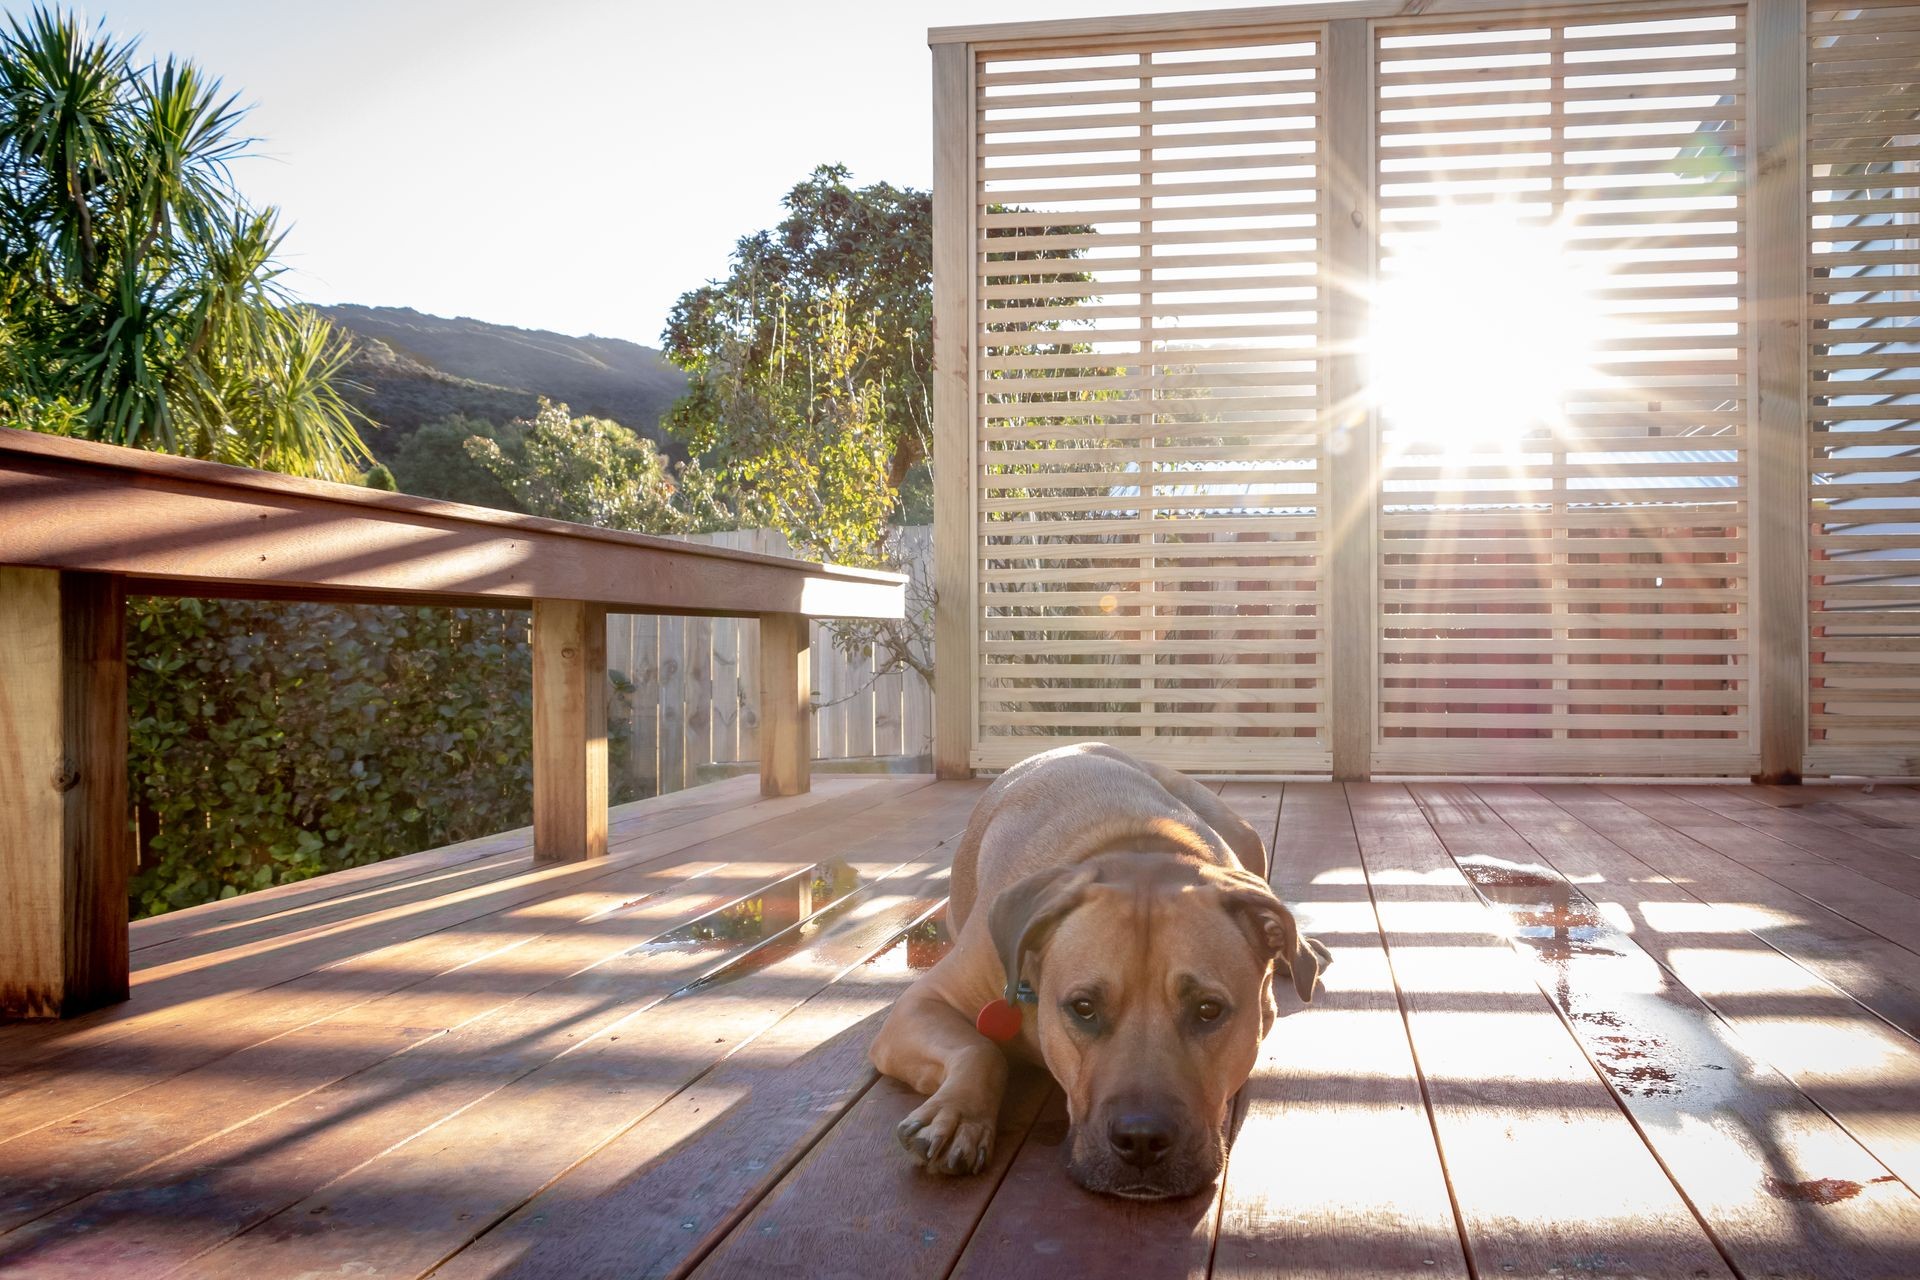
(695, 695)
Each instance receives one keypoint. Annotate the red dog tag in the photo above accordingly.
(998, 1021)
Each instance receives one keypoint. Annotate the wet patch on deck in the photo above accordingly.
(1820, 1190)
(1598, 977)
(918, 949)
(775, 923)
(781, 905)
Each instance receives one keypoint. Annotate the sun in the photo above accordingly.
(1482, 326)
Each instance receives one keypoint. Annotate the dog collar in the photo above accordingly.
(999, 1019)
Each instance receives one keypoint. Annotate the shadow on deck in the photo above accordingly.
(1571, 1030)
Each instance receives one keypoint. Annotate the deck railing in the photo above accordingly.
(84, 525)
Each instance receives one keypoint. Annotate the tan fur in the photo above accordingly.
(1132, 889)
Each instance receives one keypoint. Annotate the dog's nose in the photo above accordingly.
(1141, 1138)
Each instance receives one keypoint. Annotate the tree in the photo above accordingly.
(593, 471)
(810, 373)
(810, 365)
(139, 301)
(809, 388)
(434, 461)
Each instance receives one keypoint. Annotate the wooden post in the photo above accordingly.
(569, 730)
(1351, 563)
(955, 460)
(1777, 254)
(65, 847)
(786, 692)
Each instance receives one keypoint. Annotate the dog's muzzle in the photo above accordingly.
(1143, 1151)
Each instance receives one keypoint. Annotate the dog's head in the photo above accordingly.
(1154, 986)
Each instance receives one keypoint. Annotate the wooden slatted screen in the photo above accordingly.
(1564, 585)
(1863, 147)
(1148, 493)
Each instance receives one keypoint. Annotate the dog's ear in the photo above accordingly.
(1027, 911)
(1275, 930)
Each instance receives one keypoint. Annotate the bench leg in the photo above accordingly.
(786, 711)
(569, 730)
(65, 844)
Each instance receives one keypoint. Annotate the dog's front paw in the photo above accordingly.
(947, 1137)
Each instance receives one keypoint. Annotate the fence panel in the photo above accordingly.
(1146, 424)
(1863, 228)
(1564, 559)
(697, 686)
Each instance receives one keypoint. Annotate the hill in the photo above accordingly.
(414, 368)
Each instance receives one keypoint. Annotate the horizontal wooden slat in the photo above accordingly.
(1202, 249)
(1516, 613)
(1861, 640)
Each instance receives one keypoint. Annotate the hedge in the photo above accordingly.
(273, 742)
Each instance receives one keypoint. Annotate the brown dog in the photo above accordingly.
(1131, 933)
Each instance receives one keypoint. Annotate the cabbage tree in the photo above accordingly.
(140, 301)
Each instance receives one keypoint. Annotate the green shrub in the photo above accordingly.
(273, 742)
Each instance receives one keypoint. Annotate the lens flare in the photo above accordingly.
(1482, 327)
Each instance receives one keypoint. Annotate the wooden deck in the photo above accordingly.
(1570, 1031)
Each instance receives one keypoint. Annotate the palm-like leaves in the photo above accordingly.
(63, 128)
(137, 287)
(187, 141)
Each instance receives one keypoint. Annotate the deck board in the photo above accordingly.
(269, 988)
(1307, 1191)
(1709, 1106)
(1849, 849)
(1513, 1097)
(227, 979)
(467, 1065)
(1880, 973)
(671, 1186)
(1872, 905)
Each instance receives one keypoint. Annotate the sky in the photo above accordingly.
(572, 165)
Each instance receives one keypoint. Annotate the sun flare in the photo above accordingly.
(1482, 327)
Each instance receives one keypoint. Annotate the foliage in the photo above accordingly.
(593, 471)
(139, 300)
(273, 742)
(810, 377)
(380, 476)
(434, 461)
(810, 365)
(809, 388)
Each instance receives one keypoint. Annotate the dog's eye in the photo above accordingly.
(1209, 1010)
(1082, 1009)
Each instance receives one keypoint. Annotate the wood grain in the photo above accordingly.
(192, 1012)
(667, 1190)
(456, 1057)
(1868, 903)
(889, 1218)
(569, 730)
(1707, 1101)
(1777, 243)
(207, 529)
(786, 705)
(566, 1096)
(1353, 555)
(65, 851)
(953, 536)
(1880, 973)
(478, 1027)
(1868, 858)
(1524, 1124)
(1306, 1190)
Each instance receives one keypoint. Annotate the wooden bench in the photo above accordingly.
(84, 525)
